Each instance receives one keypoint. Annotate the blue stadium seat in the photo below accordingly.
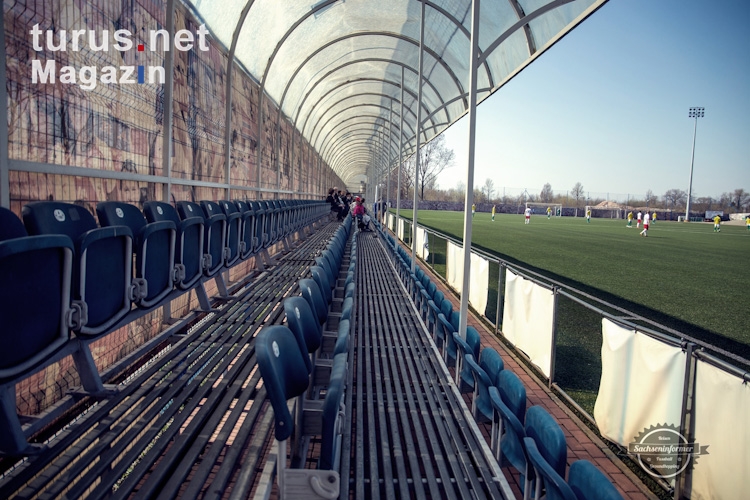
(311, 292)
(333, 416)
(247, 229)
(10, 225)
(465, 378)
(485, 374)
(548, 436)
(513, 393)
(589, 483)
(188, 244)
(102, 267)
(153, 245)
(213, 236)
(548, 480)
(234, 232)
(301, 321)
(507, 439)
(321, 278)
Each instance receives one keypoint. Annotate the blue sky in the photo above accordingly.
(608, 106)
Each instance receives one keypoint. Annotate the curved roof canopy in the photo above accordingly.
(336, 68)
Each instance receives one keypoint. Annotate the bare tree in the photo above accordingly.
(674, 198)
(577, 193)
(488, 189)
(740, 198)
(546, 195)
(435, 157)
(651, 198)
(704, 203)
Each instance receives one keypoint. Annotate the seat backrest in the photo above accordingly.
(323, 262)
(311, 292)
(10, 225)
(513, 393)
(301, 321)
(492, 363)
(117, 213)
(589, 483)
(438, 298)
(548, 436)
(455, 319)
(188, 209)
(512, 442)
(555, 486)
(321, 278)
(446, 308)
(156, 211)
(54, 217)
(473, 340)
(284, 372)
(331, 434)
(35, 284)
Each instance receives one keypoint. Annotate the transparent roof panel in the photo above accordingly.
(335, 66)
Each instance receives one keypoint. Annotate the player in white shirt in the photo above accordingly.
(638, 220)
(527, 213)
(645, 224)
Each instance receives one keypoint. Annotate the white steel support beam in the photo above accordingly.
(400, 150)
(473, 63)
(419, 133)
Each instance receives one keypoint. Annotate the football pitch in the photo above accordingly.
(684, 276)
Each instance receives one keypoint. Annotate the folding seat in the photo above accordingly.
(282, 366)
(485, 375)
(36, 312)
(548, 437)
(102, 267)
(261, 237)
(433, 309)
(213, 235)
(311, 292)
(326, 265)
(427, 293)
(547, 478)
(188, 243)
(154, 248)
(588, 482)
(232, 248)
(247, 228)
(321, 278)
(464, 376)
(507, 437)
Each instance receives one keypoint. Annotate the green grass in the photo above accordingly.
(681, 270)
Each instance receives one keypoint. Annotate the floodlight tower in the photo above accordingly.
(693, 113)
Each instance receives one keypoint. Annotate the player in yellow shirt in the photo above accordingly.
(549, 212)
(717, 224)
(747, 221)
(630, 219)
(473, 209)
(653, 219)
(494, 207)
(588, 216)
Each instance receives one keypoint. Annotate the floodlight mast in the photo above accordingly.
(693, 113)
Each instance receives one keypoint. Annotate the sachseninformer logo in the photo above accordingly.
(664, 452)
(87, 77)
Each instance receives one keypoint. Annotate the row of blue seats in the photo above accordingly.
(296, 362)
(531, 441)
(60, 274)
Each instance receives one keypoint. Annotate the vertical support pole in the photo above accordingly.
(419, 133)
(500, 271)
(388, 166)
(400, 152)
(470, 166)
(291, 161)
(4, 160)
(553, 343)
(692, 162)
(166, 136)
(687, 420)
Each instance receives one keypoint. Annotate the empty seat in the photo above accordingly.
(188, 242)
(153, 245)
(548, 436)
(464, 377)
(102, 265)
(485, 375)
(589, 483)
(233, 234)
(247, 229)
(548, 480)
(214, 226)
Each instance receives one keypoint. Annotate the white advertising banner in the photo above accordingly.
(722, 407)
(478, 280)
(422, 243)
(528, 319)
(641, 384)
